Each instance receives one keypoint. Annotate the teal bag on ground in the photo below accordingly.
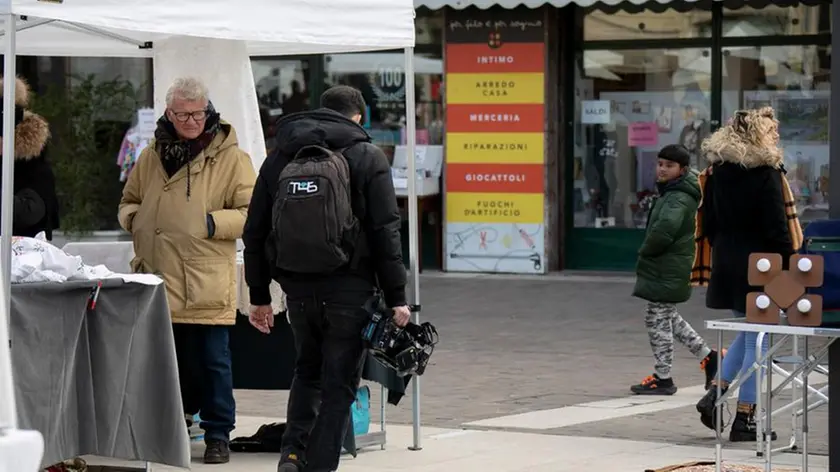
(360, 411)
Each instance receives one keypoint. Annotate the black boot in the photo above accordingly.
(706, 407)
(217, 452)
(743, 426)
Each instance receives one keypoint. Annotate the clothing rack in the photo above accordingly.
(136, 139)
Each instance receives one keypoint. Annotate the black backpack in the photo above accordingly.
(315, 230)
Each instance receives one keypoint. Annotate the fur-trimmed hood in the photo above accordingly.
(743, 141)
(749, 157)
(33, 131)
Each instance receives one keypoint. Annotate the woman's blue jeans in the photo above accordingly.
(739, 357)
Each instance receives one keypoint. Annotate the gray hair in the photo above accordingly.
(191, 89)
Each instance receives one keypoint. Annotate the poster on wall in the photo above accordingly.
(495, 173)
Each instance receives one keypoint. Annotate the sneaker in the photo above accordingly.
(290, 463)
(217, 452)
(709, 365)
(653, 385)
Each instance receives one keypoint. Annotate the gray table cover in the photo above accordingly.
(103, 383)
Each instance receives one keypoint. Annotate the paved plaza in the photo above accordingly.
(532, 374)
(566, 347)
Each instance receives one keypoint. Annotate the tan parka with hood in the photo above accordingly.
(168, 219)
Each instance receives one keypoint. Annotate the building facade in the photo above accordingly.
(551, 116)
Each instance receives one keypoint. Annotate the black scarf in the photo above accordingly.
(176, 153)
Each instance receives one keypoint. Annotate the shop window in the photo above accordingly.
(90, 104)
(795, 81)
(600, 25)
(630, 103)
(428, 26)
(282, 88)
(381, 78)
(134, 71)
(776, 20)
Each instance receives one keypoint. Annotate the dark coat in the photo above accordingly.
(667, 253)
(373, 200)
(35, 201)
(743, 213)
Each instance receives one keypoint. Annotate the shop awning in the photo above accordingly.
(483, 4)
(609, 5)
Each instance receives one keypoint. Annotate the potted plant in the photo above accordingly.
(88, 119)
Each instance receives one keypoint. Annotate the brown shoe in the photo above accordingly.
(217, 452)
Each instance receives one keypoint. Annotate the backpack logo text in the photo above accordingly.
(302, 187)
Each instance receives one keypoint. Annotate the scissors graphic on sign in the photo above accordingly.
(482, 244)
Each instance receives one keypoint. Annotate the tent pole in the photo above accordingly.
(8, 410)
(413, 223)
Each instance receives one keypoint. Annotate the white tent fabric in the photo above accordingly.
(484, 4)
(278, 27)
(230, 81)
(126, 28)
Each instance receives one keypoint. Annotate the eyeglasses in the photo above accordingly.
(184, 116)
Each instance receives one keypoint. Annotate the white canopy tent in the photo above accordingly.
(130, 28)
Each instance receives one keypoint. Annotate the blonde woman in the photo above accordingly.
(747, 207)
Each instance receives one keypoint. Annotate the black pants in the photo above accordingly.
(206, 377)
(330, 353)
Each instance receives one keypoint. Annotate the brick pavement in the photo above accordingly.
(518, 344)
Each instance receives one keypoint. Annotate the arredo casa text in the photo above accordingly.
(495, 88)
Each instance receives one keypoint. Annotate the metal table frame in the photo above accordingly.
(766, 359)
(815, 364)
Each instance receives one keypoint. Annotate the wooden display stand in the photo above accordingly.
(784, 290)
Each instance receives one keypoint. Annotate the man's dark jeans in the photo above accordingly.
(328, 340)
(204, 368)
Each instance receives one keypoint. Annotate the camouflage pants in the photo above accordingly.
(664, 324)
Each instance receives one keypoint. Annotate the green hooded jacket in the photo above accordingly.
(667, 253)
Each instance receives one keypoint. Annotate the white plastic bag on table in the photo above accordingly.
(34, 260)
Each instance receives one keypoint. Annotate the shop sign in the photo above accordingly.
(388, 87)
(495, 178)
(495, 148)
(496, 118)
(495, 142)
(643, 134)
(523, 208)
(595, 112)
(522, 88)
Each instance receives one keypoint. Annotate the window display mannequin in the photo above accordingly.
(610, 143)
(696, 129)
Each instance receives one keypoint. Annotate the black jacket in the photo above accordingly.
(744, 213)
(35, 203)
(374, 204)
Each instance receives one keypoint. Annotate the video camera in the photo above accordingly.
(405, 350)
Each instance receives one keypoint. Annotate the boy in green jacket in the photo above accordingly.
(663, 270)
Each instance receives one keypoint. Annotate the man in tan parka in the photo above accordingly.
(185, 204)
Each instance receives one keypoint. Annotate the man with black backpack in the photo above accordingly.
(324, 223)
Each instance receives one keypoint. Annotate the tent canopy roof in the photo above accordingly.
(129, 28)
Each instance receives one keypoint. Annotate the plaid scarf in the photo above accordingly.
(701, 270)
